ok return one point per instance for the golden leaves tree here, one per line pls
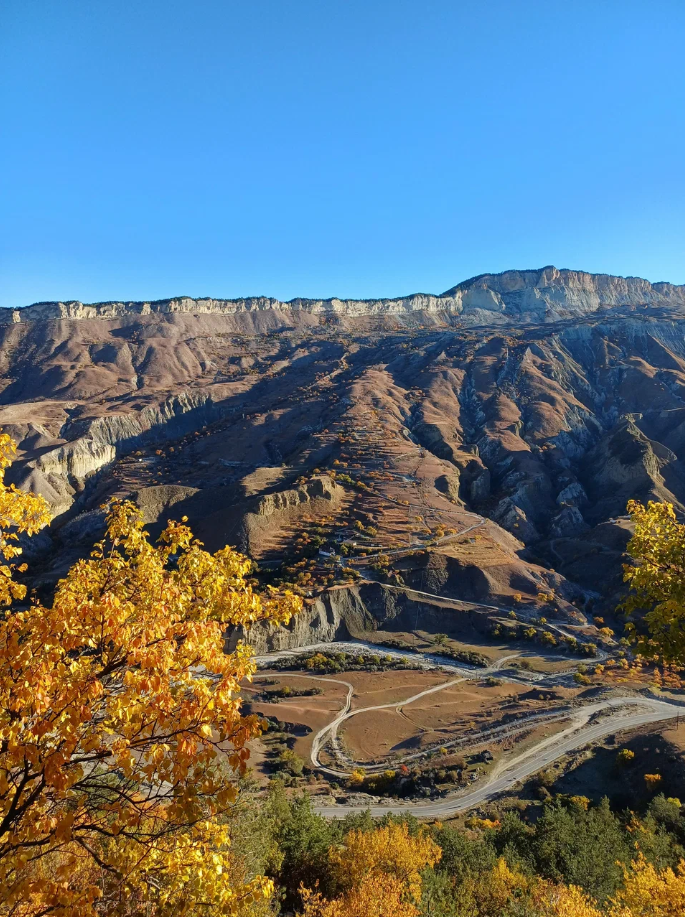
(379, 873)
(648, 892)
(565, 901)
(20, 513)
(378, 895)
(657, 578)
(121, 730)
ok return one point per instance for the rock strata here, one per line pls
(544, 294)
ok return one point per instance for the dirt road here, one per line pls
(588, 725)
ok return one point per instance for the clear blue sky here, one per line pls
(335, 147)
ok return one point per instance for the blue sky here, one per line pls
(154, 147)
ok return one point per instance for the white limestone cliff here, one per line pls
(546, 294)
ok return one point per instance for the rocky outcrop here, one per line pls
(568, 523)
(626, 465)
(449, 485)
(320, 487)
(544, 294)
(514, 519)
(59, 474)
(156, 501)
(272, 510)
(551, 293)
(626, 457)
(340, 614)
(337, 615)
(573, 494)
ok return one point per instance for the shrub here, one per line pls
(291, 762)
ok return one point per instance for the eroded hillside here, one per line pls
(480, 446)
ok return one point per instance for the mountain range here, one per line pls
(540, 295)
(484, 441)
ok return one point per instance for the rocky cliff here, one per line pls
(60, 473)
(546, 294)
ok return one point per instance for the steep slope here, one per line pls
(484, 441)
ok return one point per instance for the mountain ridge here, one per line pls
(541, 294)
(541, 403)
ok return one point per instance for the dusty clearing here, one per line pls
(312, 712)
(442, 717)
(372, 688)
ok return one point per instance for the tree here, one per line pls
(357, 776)
(20, 513)
(120, 724)
(303, 840)
(390, 850)
(570, 844)
(564, 901)
(657, 580)
(624, 757)
(647, 892)
(378, 895)
(291, 762)
(489, 893)
(378, 873)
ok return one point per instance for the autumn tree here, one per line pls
(378, 872)
(649, 892)
(20, 514)
(657, 579)
(378, 895)
(489, 894)
(564, 901)
(390, 850)
(121, 730)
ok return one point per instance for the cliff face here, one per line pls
(545, 294)
(60, 473)
(551, 293)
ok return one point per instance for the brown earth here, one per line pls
(371, 688)
(438, 717)
(376, 734)
(314, 712)
(284, 429)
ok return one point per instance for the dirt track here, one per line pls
(581, 732)
(582, 729)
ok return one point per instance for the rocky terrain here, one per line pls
(478, 445)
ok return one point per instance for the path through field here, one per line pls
(587, 724)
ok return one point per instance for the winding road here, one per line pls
(586, 724)
(329, 732)
(582, 731)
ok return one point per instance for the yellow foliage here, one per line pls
(392, 851)
(493, 891)
(379, 872)
(650, 893)
(20, 513)
(657, 578)
(120, 723)
(379, 895)
(564, 901)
